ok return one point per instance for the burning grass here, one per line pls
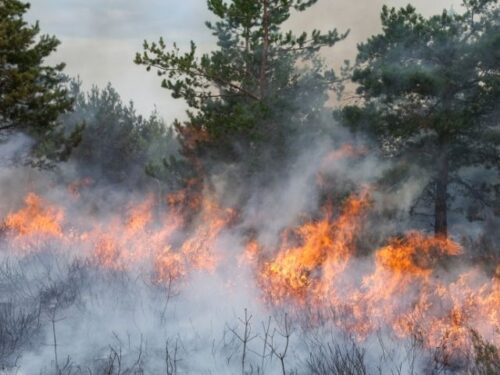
(403, 288)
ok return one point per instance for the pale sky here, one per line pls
(100, 37)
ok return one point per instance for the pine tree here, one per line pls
(31, 93)
(248, 96)
(431, 90)
(116, 142)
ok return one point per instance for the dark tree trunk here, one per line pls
(441, 195)
(265, 47)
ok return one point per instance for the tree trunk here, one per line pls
(441, 195)
(247, 52)
(265, 47)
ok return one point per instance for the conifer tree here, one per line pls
(259, 86)
(32, 94)
(431, 94)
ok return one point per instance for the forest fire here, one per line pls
(129, 240)
(315, 210)
(404, 289)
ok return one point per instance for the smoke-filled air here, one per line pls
(314, 211)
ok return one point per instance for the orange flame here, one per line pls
(37, 218)
(326, 246)
(415, 254)
(404, 291)
(403, 286)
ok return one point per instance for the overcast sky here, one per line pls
(100, 37)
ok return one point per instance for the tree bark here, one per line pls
(265, 47)
(441, 195)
